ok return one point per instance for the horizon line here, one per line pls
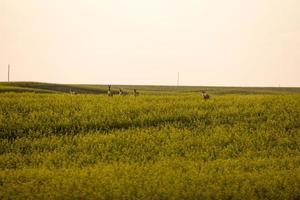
(156, 85)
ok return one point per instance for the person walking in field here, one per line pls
(205, 95)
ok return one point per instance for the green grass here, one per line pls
(156, 90)
(169, 145)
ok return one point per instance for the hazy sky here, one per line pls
(210, 42)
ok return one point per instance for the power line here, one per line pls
(8, 73)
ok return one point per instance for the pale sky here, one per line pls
(210, 42)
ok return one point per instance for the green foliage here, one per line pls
(145, 89)
(58, 146)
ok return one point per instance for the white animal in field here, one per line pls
(109, 92)
(72, 92)
(135, 92)
(122, 92)
(205, 95)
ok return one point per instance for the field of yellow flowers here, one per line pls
(61, 146)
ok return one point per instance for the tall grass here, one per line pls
(149, 147)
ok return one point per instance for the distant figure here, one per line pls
(121, 92)
(109, 92)
(72, 92)
(205, 95)
(135, 93)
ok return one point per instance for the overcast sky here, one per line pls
(210, 42)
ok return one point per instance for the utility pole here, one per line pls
(8, 73)
(178, 79)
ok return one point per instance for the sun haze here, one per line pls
(209, 42)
